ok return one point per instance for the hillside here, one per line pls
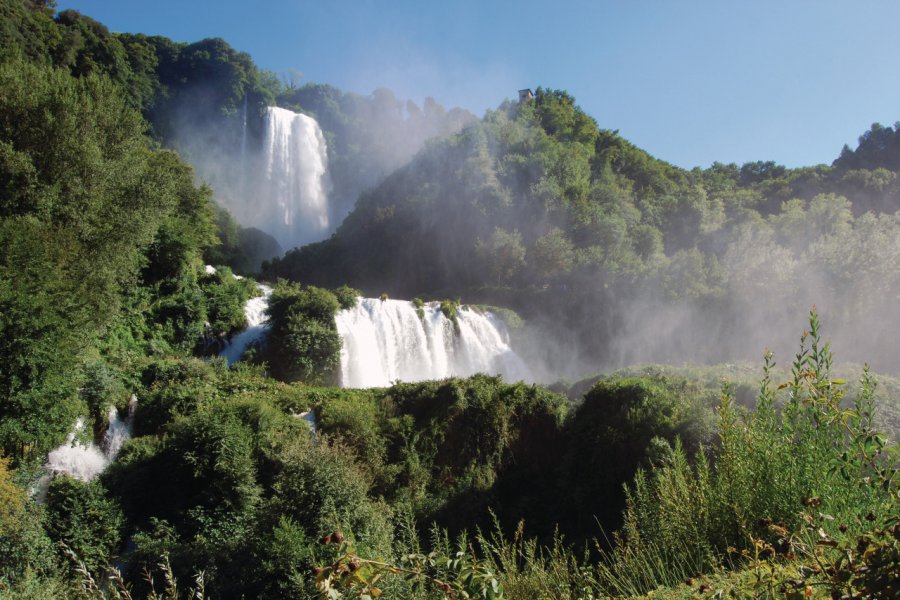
(619, 257)
(136, 462)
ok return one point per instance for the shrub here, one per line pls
(225, 300)
(419, 305)
(450, 309)
(347, 296)
(80, 516)
(303, 344)
(616, 430)
(747, 497)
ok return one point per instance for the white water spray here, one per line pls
(291, 203)
(86, 461)
(386, 340)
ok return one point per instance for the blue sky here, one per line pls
(691, 81)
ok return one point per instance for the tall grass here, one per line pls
(684, 518)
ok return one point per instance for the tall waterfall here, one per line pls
(280, 186)
(386, 340)
(291, 203)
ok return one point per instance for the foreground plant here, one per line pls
(797, 484)
(459, 576)
(112, 586)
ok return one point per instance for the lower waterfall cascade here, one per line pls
(384, 341)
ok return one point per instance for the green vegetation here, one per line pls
(791, 485)
(450, 308)
(80, 517)
(303, 342)
(800, 502)
(538, 209)
(130, 215)
(347, 297)
(225, 299)
(419, 305)
(653, 480)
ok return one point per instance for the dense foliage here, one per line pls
(537, 208)
(645, 481)
(303, 342)
(88, 209)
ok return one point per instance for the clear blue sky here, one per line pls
(691, 81)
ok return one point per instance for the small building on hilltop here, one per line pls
(525, 95)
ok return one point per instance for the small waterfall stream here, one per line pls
(255, 312)
(86, 461)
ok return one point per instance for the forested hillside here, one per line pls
(539, 209)
(262, 480)
(204, 98)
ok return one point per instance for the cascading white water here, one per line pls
(77, 459)
(119, 430)
(244, 132)
(385, 341)
(291, 203)
(257, 325)
(86, 461)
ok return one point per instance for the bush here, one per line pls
(81, 516)
(347, 297)
(225, 300)
(456, 447)
(450, 309)
(317, 490)
(303, 343)
(747, 499)
(620, 426)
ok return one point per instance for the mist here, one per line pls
(294, 171)
(615, 258)
(754, 294)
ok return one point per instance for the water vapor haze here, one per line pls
(754, 296)
(295, 174)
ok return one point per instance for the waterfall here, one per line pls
(86, 461)
(255, 312)
(387, 340)
(243, 182)
(383, 341)
(291, 202)
(119, 430)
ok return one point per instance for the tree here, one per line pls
(80, 516)
(553, 254)
(82, 199)
(24, 545)
(503, 254)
